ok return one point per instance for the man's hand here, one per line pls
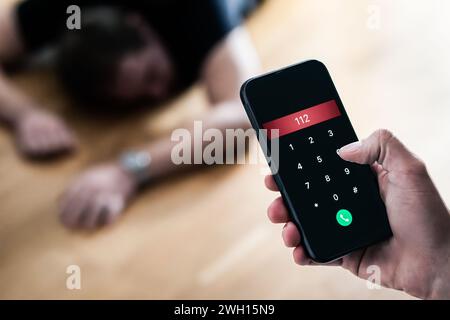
(417, 258)
(97, 197)
(40, 134)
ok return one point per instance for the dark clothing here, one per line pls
(188, 28)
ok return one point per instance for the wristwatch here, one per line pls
(137, 164)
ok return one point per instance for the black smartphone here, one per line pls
(335, 204)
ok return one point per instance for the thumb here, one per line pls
(382, 147)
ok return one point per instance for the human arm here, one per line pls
(99, 195)
(37, 132)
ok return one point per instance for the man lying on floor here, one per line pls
(125, 53)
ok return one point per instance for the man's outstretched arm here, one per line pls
(37, 133)
(99, 195)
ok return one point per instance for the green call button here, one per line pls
(344, 217)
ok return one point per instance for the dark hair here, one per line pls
(88, 58)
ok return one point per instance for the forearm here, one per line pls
(226, 115)
(12, 102)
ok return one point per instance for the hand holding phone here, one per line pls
(335, 204)
(416, 258)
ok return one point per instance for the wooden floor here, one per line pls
(206, 235)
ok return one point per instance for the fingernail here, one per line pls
(352, 147)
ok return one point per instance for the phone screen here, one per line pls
(335, 204)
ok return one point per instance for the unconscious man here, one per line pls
(125, 54)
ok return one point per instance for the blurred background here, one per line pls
(206, 235)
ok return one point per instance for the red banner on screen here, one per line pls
(303, 119)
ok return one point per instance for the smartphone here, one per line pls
(335, 204)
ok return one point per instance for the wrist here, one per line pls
(136, 164)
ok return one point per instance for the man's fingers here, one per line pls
(55, 141)
(93, 212)
(270, 183)
(45, 141)
(382, 147)
(301, 258)
(88, 209)
(49, 142)
(277, 211)
(115, 206)
(65, 138)
(112, 205)
(106, 210)
(33, 142)
(71, 216)
(291, 235)
(68, 140)
(73, 206)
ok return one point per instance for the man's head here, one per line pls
(115, 57)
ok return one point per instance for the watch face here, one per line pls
(335, 203)
(137, 164)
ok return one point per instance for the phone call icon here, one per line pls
(344, 217)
